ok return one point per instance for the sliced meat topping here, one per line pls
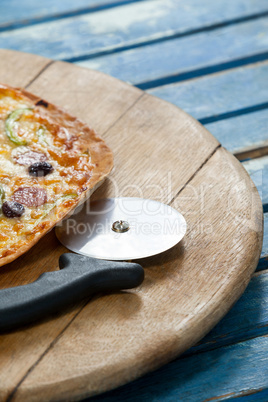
(29, 157)
(30, 196)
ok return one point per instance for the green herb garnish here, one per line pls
(41, 136)
(12, 118)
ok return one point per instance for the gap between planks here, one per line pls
(252, 153)
(195, 173)
(67, 14)
(50, 346)
(39, 73)
(166, 38)
(105, 41)
(203, 71)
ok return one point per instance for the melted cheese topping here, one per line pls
(71, 169)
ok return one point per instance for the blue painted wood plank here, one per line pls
(183, 58)
(265, 237)
(130, 25)
(262, 265)
(247, 319)
(258, 396)
(242, 133)
(17, 12)
(233, 371)
(217, 94)
(258, 170)
(263, 262)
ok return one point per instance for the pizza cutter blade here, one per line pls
(122, 229)
(109, 229)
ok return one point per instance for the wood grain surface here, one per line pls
(160, 153)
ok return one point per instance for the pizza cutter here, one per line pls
(103, 234)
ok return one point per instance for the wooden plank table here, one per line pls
(211, 64)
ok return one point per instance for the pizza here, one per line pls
(49, 163)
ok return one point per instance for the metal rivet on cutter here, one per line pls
(120, 226)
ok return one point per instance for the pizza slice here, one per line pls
(49, 163)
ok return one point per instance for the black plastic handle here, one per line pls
(81, 277)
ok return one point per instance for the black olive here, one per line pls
(39, 169)
(12, 209)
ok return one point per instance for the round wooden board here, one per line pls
(160, 153)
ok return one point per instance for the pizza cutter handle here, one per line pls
(78, 278)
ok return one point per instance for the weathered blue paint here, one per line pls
(242, 133)
(134, 24)
(247, 319)
(228, 372)
(265, 237)
(189, 55)
(16, 13)
(254, 396)
(258, 170)
(219, 93)
(234, 113)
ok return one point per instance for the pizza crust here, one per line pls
(101, 158)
